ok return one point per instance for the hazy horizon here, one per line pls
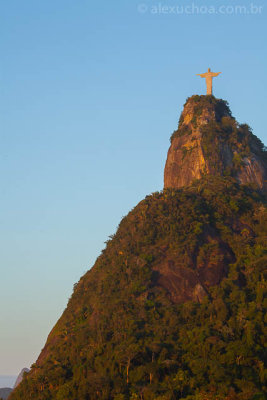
(7, 381)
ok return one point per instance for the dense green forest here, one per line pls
(126, 335)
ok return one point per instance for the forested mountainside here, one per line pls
(175, 306)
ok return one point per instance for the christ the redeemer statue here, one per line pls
(209, 76)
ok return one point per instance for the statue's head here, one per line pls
(208, 69)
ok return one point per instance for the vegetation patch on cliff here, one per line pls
(197, 104)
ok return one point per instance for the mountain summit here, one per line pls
(174, 306)
(209, 141)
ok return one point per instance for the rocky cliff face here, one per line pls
(20, 376)
(209, 141)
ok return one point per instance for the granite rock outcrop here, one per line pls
(209, 141)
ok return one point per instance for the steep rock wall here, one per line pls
(209, 141)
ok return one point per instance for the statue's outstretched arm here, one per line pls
(202, 75)
(216, 73)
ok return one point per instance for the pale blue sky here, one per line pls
(90, 92)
